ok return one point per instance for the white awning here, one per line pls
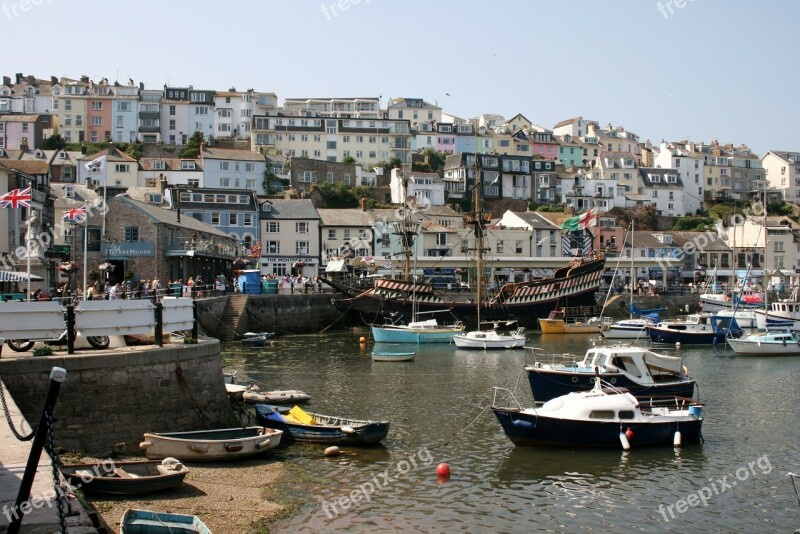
(336, 266)
(14, 276)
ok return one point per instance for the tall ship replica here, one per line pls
(573, 285)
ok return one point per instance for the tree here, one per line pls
(54, 142)
(192, 148)
(349, 160)
(338, 196)
(134, 150)
(693, 224)
(271, 181)
(433, 161)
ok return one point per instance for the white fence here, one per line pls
(46, 320)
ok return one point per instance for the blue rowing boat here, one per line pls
(147, 522)
(318, 428)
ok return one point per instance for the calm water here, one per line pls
(751, 417)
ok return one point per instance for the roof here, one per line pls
(647, 239)
(646, 172)
(20, 118)
(112, 153)
(435, 228)
(348, 217)
(536, 220)
(170, 164)
(29, 166)
(710, 241)
(554, 217)
(289, 209)
(232, 154)
(169, 217)
(568, 121)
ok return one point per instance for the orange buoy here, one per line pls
(443, 469)
(629, 433)
(362, 340)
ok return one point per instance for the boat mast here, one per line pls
(633, 273)
(478, 218)
(406, 228)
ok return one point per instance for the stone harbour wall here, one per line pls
(111, 398)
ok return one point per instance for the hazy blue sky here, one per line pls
(725, 69)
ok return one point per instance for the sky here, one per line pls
(668, 69)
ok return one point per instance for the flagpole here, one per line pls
(28, 251)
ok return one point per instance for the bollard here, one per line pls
(57, 375)
(159, 316)
(70, 329)
(194, 322)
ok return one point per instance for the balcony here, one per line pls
(150, 115)
(149, 129)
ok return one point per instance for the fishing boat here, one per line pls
(769, 343)
(490, 339)
(147, 522)
(556, 323)
(206, 445)
(125, 478)
(694, 329)
(642, 372)
(419, 332)
(744, 318)
(605, 416)
(783, 313)
(298, 425)
(385, 356)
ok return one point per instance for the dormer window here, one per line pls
(655, 178)
(266, 206)
(158, 165)
(62, 155)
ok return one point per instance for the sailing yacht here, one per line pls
(484, 339)
(629, 328)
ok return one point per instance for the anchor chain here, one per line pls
(51, 450)
(8, 417)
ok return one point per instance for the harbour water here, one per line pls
(734, 482)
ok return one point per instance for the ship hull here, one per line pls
(525, 303)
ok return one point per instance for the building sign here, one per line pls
(127, 250)
(288, 259)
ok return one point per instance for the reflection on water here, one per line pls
(751, 406)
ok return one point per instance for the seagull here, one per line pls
(448, 94)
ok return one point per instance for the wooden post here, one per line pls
(70, 329)
(159, 316)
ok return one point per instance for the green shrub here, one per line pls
(45, 350)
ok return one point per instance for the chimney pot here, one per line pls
(7, 81)
(53, 80)
(31, 80)
(363, 203)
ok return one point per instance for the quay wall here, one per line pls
(111, 398)
(300, 313)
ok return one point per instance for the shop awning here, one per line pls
(14, 276)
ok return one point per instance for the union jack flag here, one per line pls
(16, 198)
(76, 214)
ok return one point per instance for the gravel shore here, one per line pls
(233, 497)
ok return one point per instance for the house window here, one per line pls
(273, 247)
(194, 182)
(518, 247)
(224, 165)
(778, 246)
(301, 247)
(247, 219)
(224, 182)
(172, 112)
(301, 227)
(330, 177)
(215, 219)
(121, 167)
(97, 121)
(97, 105)
(441, 239)
(500, 247)
(331, 234)
(273, 227)
(131, 233)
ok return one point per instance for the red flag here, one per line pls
(16, 198)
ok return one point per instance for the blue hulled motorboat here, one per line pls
(312, 427)
(695, 329)
(642, 372)
(602, 417)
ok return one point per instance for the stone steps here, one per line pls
(232, 315)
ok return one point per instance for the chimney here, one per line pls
(141, 86)
(53, 80)
(7, 81)
(363, 203)
(31, 80)
(19, 77)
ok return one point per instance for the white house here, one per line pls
(426, 185)
(237, 169)
(783, 172)
(690, 168)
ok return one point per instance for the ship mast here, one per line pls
(407, 229)
(478, 218)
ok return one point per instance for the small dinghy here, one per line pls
(384, 356)
(126, 478)
(236, 391)
(281, 396)
(147, 522)
(312, 427)
(204, 445)
(256, 339)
